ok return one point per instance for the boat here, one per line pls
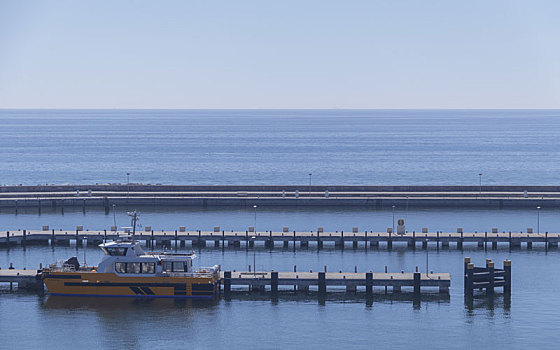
(126, 270)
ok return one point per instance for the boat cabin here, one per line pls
(127, 258)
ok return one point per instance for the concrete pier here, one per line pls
(303, 240)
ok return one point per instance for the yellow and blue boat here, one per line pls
(126, 270)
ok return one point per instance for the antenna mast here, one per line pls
(134, 219)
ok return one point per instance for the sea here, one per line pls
(292, 147)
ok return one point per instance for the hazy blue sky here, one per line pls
(280, 54)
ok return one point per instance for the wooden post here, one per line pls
(417, 283)
(270, 241)
(274, 282)
(460, 243)
(365, 241)
(470, 280)
(437, 239)
(223, 238)
(490, 289)
(507, 276)
(52, 238)
(322, 283)
(342, 240)
(412, 243)
(390, 242)
(319, 243)
(104, 236)
(24, 237)
(294, 241)
(152, 239)
(77, 239)
(227, 282)
(369, 283)
(175, 239)
(466, 262)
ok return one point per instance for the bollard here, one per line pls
(355, 269)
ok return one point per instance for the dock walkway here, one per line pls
(286, 240)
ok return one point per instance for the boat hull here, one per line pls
(111, 285)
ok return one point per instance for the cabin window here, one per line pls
(167, 266)
(148, 267)
(133, 267)
(120, 267)
(179, 266)
(115, 251)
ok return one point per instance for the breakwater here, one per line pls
(106, 195)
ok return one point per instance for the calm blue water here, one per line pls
(282, 147)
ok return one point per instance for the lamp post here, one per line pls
(393, 230)
(539, 219)
(127, 186)
(254, 238)
(310, 184)
(480, 182)
(114, 217)
(426, 257)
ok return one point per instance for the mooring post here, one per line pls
(175, 239)
(8, 238)
(417, 283)
(152, 239)
(466, 263)
(342, 240)
(24, 237)
(274, 282)
(294, 241)
(365, 241)
(507, 276)
(437, 239)
(104, 236)
(390, 241)
(77, 232)
(52, 238)
(270, 241)
(319, 243)
(510, 243)
(490, 289)
(227, 282)
(322, 283)
(470, 280)
(199, 239)
(412, 243)
(223, 240)
(385, 285)
(369, 283)
(460, 243)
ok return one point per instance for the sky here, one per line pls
(280, 54)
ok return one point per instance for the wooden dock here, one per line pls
(25, 279)
(293, 281)
(222, 239)
(325, 281)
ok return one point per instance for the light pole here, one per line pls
(480, 182)
(254, 238)
(393, 230)
(310, 184)
(426, 256)
(127, 186)
(114, 217)
(539, 219)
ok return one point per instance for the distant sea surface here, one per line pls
(280, 146)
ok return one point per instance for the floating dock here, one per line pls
(222, 239)
(379, 197)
